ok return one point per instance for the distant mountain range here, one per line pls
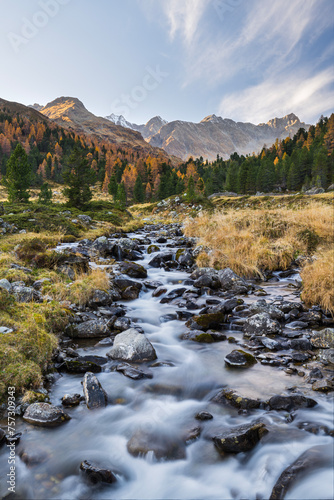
(211, 136)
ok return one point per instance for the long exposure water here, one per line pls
(186, 377)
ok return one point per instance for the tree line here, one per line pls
(33, 154)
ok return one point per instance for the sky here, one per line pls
(248, 60)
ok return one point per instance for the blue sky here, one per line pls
(249, 60)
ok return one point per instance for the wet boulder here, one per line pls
(95, 328)
(95, 474)
(324, 385)
(103, 246)
(133, 270)
(128, 289)
(161, 290)
(83, 364)
(132, 372)
(122, 324)
(261, 306)
(71, 400)
(261, 324)
(152, 249)
(45, 415)
(239, 359)
(289, 403)
(205, 322)
(206, 277)
(240, 439)
(230, 281)
(163, 447)
(95, 395)
(184, 258)
(312, 459)
(132, 346)
(207, 337)
(231, 398)
(160, 259)
(203, 415)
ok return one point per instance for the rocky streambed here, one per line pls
(180, 382)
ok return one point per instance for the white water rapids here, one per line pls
(167, 404)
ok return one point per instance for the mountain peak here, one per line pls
(212, 119)
(286, 121)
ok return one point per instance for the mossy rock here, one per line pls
(152, 249)
(179, 253)
(206, 321)
(240, 359)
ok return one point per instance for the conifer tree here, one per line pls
(121, 197)
(79, 177)
(112, 187)
(138, 190)
(45, 194)
(18, 176)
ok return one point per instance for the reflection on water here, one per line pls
(166, 405)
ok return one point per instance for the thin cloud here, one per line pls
(184, 16)
(306, 97)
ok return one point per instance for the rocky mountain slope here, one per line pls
(215, 135)
(148, 130)
(70, 113)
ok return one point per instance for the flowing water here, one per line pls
(189, 375)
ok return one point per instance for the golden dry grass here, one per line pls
(318, 281)
(81, 290)
(251, 241)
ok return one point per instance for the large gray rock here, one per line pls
(45, 415)
(260, 324)
(230, 281)
(90, 329)
(132, 269)
(103, 246)
(261, 306)
(132, 346)
(241, 438)
(94, 393)
(206, 277)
